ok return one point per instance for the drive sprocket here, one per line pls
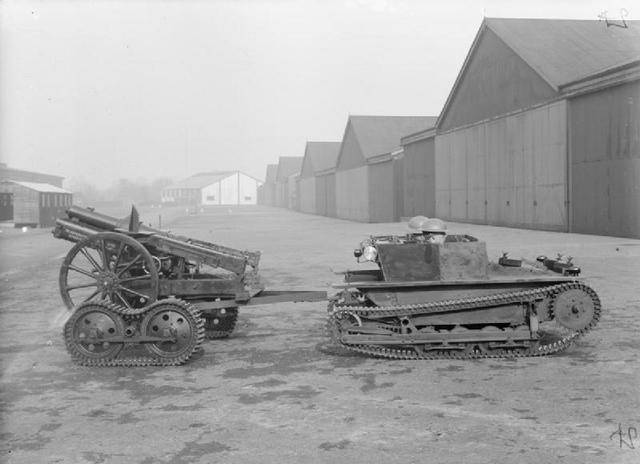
(576, 307)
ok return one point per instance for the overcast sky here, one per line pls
(143, 89)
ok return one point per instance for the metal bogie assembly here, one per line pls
(100, 333)
(130, 285)
(445, 299)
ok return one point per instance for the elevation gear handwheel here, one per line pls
(179, 323)
(109, 266)
(88, 331)
(575, 308)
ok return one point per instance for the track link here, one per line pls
(220, 325)
(336, 312)
(107, 319)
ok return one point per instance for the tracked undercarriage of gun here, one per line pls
(141, 296)
(428, 300)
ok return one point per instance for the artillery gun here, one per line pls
(132, 286)
(446, 300)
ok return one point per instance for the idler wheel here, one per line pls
(179, 324)
(575, 308)
(88, 330)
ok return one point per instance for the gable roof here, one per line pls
(321, 155)
(380, 135)
(40, 187)
(561, 51)
(201, 180)
(288, 165)
(204, 179)
(272, 171)
(567, 50)
(6, 173)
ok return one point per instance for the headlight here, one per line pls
(370, 253)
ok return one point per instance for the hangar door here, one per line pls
(605, 161)
(6, 206)
(509, 171)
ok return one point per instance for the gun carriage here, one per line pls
(130, 286)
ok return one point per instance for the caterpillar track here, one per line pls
(221, 324)
(556, 315)
(165, 333)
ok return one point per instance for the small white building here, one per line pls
(214, 188)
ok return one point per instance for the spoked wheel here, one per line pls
(179, 323)
(88, 331)
(109, 266)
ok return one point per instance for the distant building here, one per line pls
(319, 157)
(287, 165)
(34, 203)
(368, 182)
(293, 196)
(213, 188)
(7, 173)
(267, 191)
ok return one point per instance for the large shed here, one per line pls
(35, 203)
(319, 157)
(213, 188)
(542, 130)
(267, 191)
(418, 174)
(367, 183)
(293, 196)
(287, 165)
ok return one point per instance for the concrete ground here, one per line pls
(270, 395)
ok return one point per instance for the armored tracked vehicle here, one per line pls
(433, 295)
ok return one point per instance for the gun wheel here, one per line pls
(179, 323)
(109, 266)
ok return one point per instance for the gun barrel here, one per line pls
(72, 231)
(83, 222)
(101, 221)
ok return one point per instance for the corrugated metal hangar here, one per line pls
(319, 158)
(267, 191)
(540, 130)
(419, 182)
(287, 165)
(365, 186)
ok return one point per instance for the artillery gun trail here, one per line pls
(141, 296)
